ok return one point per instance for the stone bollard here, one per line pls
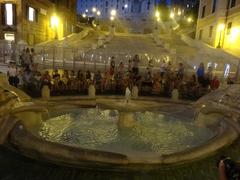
(45, 92)
(91, 91)
(175, 95)
(135, 92)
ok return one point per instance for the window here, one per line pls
(203, 11)
(200, 34)
(31, 14)
(148, 5)
(210, 31)
(9, 36)
(229, 27)
(214, 6)
(233, 3)
(9, 14)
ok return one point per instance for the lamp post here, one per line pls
(157, 15)
(113, 14)
(98, 16)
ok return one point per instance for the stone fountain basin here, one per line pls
(24, 139)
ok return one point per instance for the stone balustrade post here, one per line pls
(45, 92)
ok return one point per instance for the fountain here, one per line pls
(116, 133)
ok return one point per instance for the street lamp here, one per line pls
(94, 9)
(98, 13)
(189, 19)
(113, 12)
(172, 15)
(55, 24)
(220, 29)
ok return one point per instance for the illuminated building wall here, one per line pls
(30, 20)
(218, 23)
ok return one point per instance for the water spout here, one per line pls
(127, 95)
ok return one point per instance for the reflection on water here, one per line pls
(98, 129)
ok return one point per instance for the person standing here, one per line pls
(27, 59)
(180, 72)
(200, 74)
(163, 68)
(33, 60)
(112, 66)
(135, 68)
(12, 74)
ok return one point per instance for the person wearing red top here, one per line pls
(215, 83)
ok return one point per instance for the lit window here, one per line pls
(9, 14)
(9, 36)
(31, 14)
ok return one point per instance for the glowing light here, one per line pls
(172, 15)
(226, 70)
(86, 10)
(9, 11)
(113, 12)
(9, 36)
(54, 21)
(233, 37)
(84, 15)
(125, 6)
(157, 14)
(179, 12)
(98, 13)
(209, 64)
(112, 18)
(31, 14)
(221, 27)
(94, 9)
(158, 19)
(189, 19)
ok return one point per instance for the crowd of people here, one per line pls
(114, 79)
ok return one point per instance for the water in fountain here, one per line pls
(148, 132)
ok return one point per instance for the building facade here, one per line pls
(126, 9)
(184, 3)
(30, 20)
(218, 23)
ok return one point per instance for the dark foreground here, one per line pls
(15, 167)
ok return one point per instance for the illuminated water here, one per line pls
(152, 132)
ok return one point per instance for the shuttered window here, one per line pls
(8, 14)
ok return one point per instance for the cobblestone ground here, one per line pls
(14, 167)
